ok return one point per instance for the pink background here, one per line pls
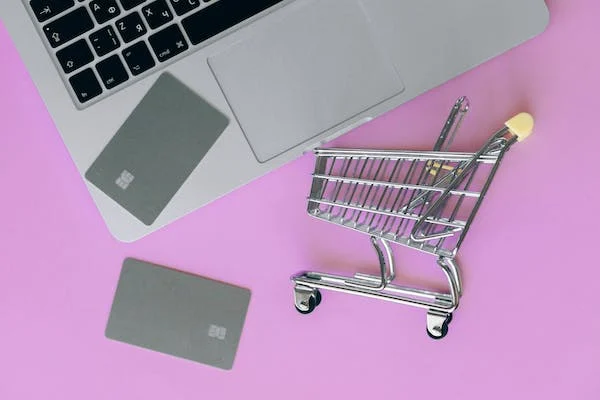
(528, 326)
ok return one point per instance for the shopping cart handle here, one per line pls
(521, 125)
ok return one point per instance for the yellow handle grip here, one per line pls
(521, 126)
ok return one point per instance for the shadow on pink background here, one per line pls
(528, 326)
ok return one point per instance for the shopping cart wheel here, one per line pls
(449, 318)
(437, 324)
(318, 297)
(306, 299)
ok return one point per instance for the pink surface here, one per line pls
(528, 325)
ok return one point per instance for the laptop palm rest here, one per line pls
(304, 75)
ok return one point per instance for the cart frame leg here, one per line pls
(439, 306)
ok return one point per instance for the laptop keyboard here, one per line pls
(100, 46)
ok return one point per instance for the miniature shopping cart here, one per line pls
(422, 200)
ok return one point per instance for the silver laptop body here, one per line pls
(272, 78)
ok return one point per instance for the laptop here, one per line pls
(166, 105)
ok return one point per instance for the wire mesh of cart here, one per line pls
(424, 200)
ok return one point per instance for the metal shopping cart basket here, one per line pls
(422, 200)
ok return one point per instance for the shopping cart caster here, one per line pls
(306, 299)
(437, 324)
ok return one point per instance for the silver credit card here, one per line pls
(157, 148)
(177, 313)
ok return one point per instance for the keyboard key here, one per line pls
(138, 58)
(68, 27)
(157, 13)
(220, 16)
(85, 85)
(129, 4)
(46, 9)
(112, 72)
(104, 41)
(168, 43)
(131, 27)
(104, 10)
(75, 56)
(183, 6)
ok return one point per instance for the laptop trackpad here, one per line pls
(314, 69)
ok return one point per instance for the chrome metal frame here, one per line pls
(412, 198)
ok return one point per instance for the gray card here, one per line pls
(178, 313)
(157, 148)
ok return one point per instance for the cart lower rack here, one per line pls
(422, 200)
